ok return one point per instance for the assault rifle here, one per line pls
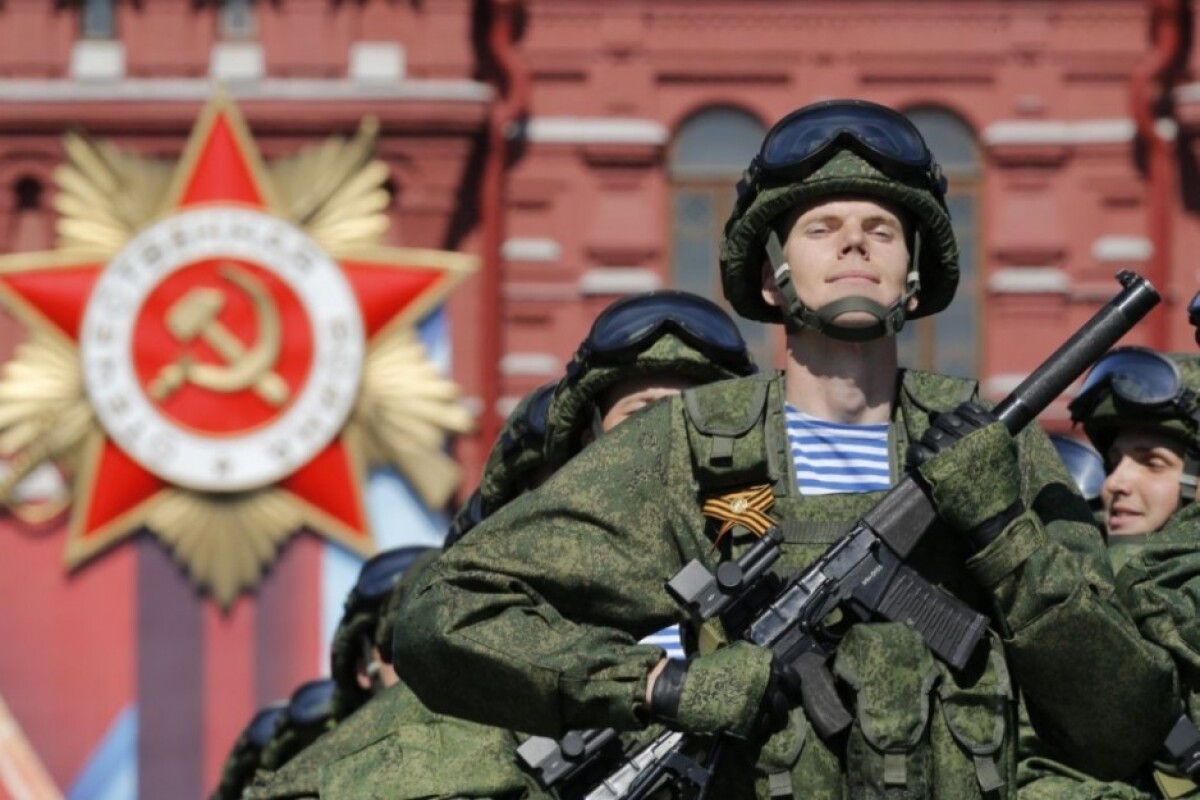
(863, 574)
(591, 765)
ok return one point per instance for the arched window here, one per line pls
(97, 19)
(949, 341)
(707, 157)
(31, 226)
(235, 19)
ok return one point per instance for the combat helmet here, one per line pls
(309, 713)
(1139, 387)
(825, 150)
(652, 334)
(246, 756)
(516, 458)
(360, 624)
(519, 452)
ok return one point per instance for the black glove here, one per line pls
(968, 460)
(697, 695)
(732, 690)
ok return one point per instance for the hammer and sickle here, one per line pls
(195, 316)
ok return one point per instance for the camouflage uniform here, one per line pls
(309, 714)
(394, 746)
(246, 756)
(1158, 580)
(550, 596)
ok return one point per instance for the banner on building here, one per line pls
(219, 348)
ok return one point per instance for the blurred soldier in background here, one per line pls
(1141, 409)
(395, 746)
(841, 233)
(361, 654)
(246, 756)
(309, 713)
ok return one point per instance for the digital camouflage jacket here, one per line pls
(1160, 585)
(549, 597)
(395, 748)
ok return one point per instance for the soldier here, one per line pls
(1141, 410)
(394, 746)
(361, 655)
(244, 759)
(309, 713)
(841, 233)
(516, 464)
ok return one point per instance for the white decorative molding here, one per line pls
(1090, 131)
(36, 90)
(97, 60)
(619, 280)
(1029, 280)
(507, 404)
(595, 130)
(376, 62)
(237, 61)
(1122, 248)
(530, 248)
(535, 364)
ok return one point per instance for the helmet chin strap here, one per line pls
(888, 319)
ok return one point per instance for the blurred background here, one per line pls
(583, 150)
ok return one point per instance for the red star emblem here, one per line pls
(192, 325)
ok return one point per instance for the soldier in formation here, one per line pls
(1141, 411)
(393, 746)
(840, 233)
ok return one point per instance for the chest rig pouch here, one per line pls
(726, 436)
(921, 729)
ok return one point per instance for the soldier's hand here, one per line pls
(968, 460)
(733, 690)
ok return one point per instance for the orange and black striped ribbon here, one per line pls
(747, 508)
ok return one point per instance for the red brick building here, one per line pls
(638, 119)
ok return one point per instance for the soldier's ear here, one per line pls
(770, 290)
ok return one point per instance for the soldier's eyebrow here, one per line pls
(883, 219)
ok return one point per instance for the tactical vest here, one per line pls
(921, 729)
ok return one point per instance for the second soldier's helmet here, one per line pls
(664, 333)
(1085, 465)
(1135, 387)
(515, 462)
(825, 150)
(365, 605)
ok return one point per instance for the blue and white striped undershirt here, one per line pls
(832, 457)
(829, 458)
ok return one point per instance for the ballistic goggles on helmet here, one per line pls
(1141, 378)
(379, 575)
(805, 139)
(261, 728)
(633, 324)
(531, 424)
(312, 703)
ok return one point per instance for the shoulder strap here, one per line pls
(924, 394)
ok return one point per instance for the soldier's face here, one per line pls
(850, 247)
(1141, 491)
(624, 398)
